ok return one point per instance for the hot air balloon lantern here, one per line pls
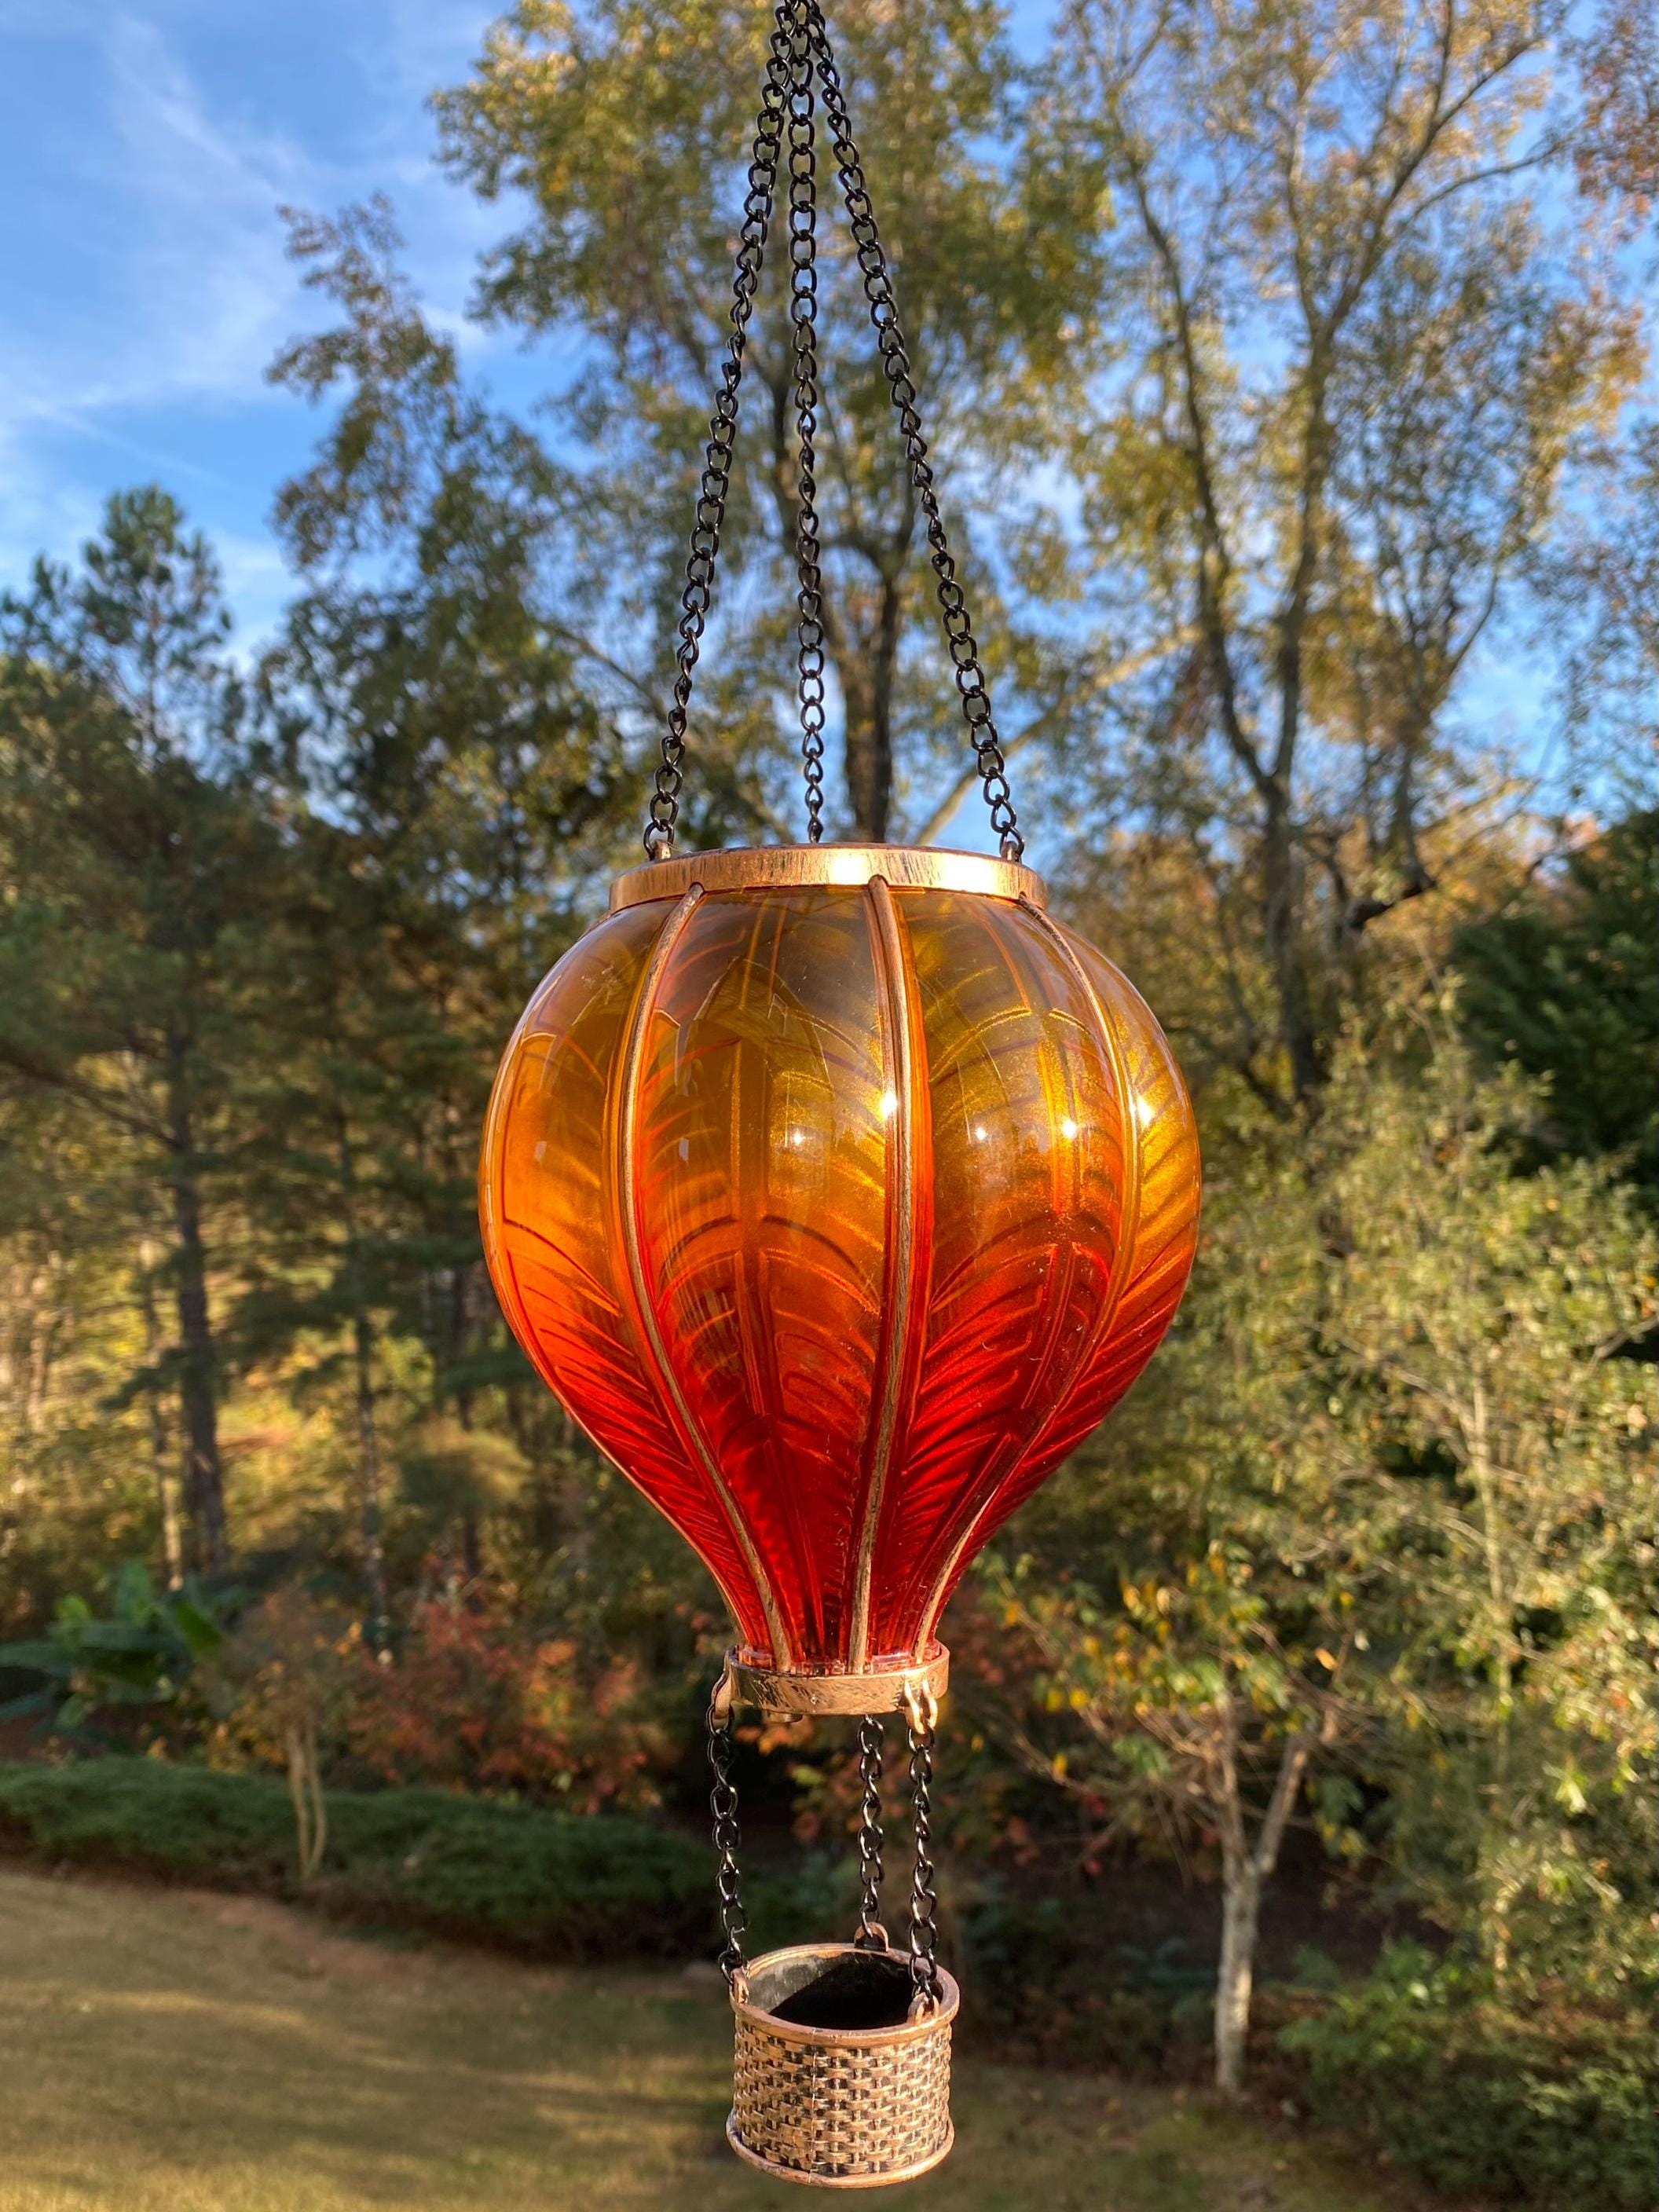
(837, 1191)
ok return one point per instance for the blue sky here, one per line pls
(143, 154)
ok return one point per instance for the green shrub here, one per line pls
(1550, 2108)
(1048, 1973)
(553, 1885)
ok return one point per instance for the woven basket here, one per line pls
(835, 2086)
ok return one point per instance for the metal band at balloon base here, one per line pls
(820, 2097)
(914, 1688)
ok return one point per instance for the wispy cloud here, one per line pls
(149, 289)
(174, 286)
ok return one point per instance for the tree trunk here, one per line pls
(1281, 911)
(368, 1479)
(1240, 1913)
(304, 1789)
(866, 686)
(160, 1448)
(205, 1487)
(369, 1440)
(1246, 1870)
(1497, 1896)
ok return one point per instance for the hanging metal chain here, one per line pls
(800, 38)
(895, 366)
(723, 1804)
(924, 1901)
(803, 317)
(871, 1936)
(722, 436)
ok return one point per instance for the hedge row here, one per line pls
(551, 1885)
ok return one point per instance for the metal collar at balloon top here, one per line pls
(783, 867)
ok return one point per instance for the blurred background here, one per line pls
(1287, 369)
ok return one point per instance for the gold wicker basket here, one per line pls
(836, 2085)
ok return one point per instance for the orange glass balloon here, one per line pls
(838, 1192)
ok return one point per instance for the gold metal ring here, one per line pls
(906, 867)
(914, 1685)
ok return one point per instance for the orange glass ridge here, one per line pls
(837, 1214)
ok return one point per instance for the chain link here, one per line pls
(803, 317)
(871, 1935)
(695, 598)
(895, 366)
(723, 1804)
(924, 1901)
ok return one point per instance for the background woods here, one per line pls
(1287, 373)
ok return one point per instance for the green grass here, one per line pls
(179, 2051)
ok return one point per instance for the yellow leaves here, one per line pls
(1570, 1793)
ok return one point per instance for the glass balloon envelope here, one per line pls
(838, 1192)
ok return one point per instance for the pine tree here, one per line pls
(134, 851)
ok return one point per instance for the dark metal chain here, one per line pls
(722, 436)
(800, 37)
(924, 1901)
(723, 1804)
(896, 365)
(871, 1935)
(803, 317)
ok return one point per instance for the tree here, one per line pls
(1357, 375)
(1564, 983)
(1484, 1332)
(463, 633)
(132, 850)
(82, 1481)
(626, 127)
(1602, 577)
(453, 792)
(1202, 1585)
(1376, 1516)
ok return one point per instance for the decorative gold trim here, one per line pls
(892, 972)
(627, 1079)
(875, 1689)
(1128, 1228)
(761, 868)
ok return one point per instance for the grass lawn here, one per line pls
(175, 2051)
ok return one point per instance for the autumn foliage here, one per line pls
(470, 1700)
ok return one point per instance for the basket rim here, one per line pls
(780, 867)
(843, 2039)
